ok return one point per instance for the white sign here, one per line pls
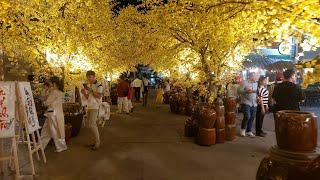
(28, 108)
(7, 109)
(69, 96)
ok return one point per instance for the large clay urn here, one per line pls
(288, 165)
(173, 101)
(230, 104)
(188, 130)
(313, 170)
(231, 132)
(182, 103)
(296, 131)
(73, 114)
(207, 117)
(220, 123)
(219, 107)
(221, 135)
(206, 137)
(191, 107)
(230, 117)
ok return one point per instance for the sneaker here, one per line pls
(95, 147)
(61, 150)
(250, 134)
(261, 134)
(242, 132)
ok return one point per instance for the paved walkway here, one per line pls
(149, 145)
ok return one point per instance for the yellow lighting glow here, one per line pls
(77, 61)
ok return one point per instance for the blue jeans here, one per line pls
(249, 113)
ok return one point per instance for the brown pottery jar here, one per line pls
(174, 106)
(220, 123)
(287, 165)
(190, 108)
(207, 117)
(296, 131)
(220, 110)
(230, 117)
(231, 132)
(206, 137)
(221, 135)
(230, 104)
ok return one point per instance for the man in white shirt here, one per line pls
(137, 84)
(167, 86)
(93, 91)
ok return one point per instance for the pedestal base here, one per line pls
(287, 165)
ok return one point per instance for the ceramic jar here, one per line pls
(230, 104)
(221, 135)
(296, 131)
(206, 137)
(173, 101)
(230, 117)
(220, 123)
(287, 165)
(207, 117)
(231, 132)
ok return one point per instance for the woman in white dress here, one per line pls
(54, 124)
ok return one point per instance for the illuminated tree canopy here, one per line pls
(192, 41)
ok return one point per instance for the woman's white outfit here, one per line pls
(54, 124)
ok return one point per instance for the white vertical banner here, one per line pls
(7, 109)
(27, 106)
(70, 96)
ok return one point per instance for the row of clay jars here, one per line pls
(296, 131)
(230, 118)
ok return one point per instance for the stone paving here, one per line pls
(149, 145)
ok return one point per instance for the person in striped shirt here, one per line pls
(262, 109)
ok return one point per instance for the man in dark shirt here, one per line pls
(287, 94)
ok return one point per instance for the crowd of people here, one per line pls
(256, 98)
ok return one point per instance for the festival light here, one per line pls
(77, 61)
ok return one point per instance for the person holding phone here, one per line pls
(93, 92)
(248, 91)
(54, 126)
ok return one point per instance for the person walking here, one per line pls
(248, 91)
(167, 86)
(288, 95)
(53, 127)
(123, 91)
(263, 108)
(137, 84)
(130, 95)
(145, 91)
(93, 92)
(159, 94)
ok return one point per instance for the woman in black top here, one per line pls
(262, 109)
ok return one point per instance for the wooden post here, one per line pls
(13, 155)
(1, 155)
